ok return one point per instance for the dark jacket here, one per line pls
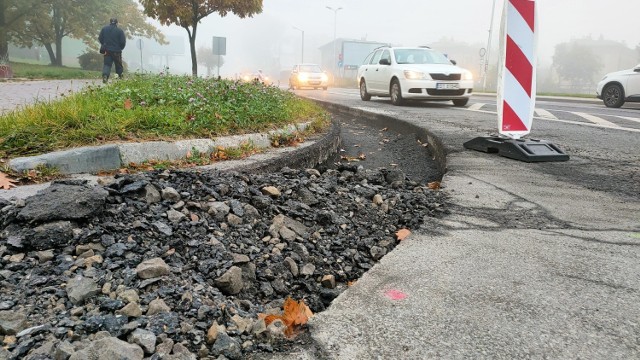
(113, 38)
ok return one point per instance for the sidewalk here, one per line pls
(20, 93)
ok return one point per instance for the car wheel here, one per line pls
(613, 96)
(460, 102)
(364, 95)
(396, 93)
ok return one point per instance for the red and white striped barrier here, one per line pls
(517, 70)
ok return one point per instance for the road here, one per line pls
(535, 260)
(602, 142)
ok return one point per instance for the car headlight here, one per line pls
(414, 75)
(467, 75)
(303, 77)
(324, 77)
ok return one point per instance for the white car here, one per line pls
(620, 86)
(413, 73)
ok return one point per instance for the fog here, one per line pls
(271, 41)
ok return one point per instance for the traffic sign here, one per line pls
(219, 45)
(517, 71)
(517, 89)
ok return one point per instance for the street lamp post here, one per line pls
(486, 59)
(302, 57)
(335, 27)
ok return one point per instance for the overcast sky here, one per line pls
(405, 22)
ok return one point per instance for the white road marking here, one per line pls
(596, 120)
(563, 121)
(476, 106)
(628, 118)
(545, 114)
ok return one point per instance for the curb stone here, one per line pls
(93, 159)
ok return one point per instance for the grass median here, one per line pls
(152, 107)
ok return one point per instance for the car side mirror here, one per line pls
(454, 62)
(384, 62)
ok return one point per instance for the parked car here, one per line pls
(308, 75)
(416, 73)
(618, 87)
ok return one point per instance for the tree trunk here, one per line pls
(52, 55)
(4, 44)
(192, 45)
(58, 51)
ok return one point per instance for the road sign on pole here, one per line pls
(516, 96)
(219, 45)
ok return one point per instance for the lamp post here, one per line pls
(302, 57)
(335, 27)
(486, 59)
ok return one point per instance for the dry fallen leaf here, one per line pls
(385, 129)
(435, 185)
(402, 234)
(127, 104)
(295, 314)
(6, 183)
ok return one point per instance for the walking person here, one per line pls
(113, 42)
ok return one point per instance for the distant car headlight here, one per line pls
(303, 77)
(324, 77)
(467, 75)
(414, 75)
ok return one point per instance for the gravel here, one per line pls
(178, 264)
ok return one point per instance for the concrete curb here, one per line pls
(436, 146)
(93, 159)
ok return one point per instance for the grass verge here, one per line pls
(35, 71)
(152, 107)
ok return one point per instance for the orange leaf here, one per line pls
(435, 185)
(6, 182)
(296, 314)
(402, 234)
(127, 104)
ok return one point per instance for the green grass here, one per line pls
(35, 71)
(151, 107)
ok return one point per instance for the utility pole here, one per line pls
(302, 57)
(334, 61)
(486, 59)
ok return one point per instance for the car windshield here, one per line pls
(420, 56)
(310, 68)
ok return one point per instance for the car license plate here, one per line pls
(447, 86)
(312, 82)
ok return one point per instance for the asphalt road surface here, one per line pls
(602, 142)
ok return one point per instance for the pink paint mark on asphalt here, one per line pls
(395, 294)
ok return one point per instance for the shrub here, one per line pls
(91, 61)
